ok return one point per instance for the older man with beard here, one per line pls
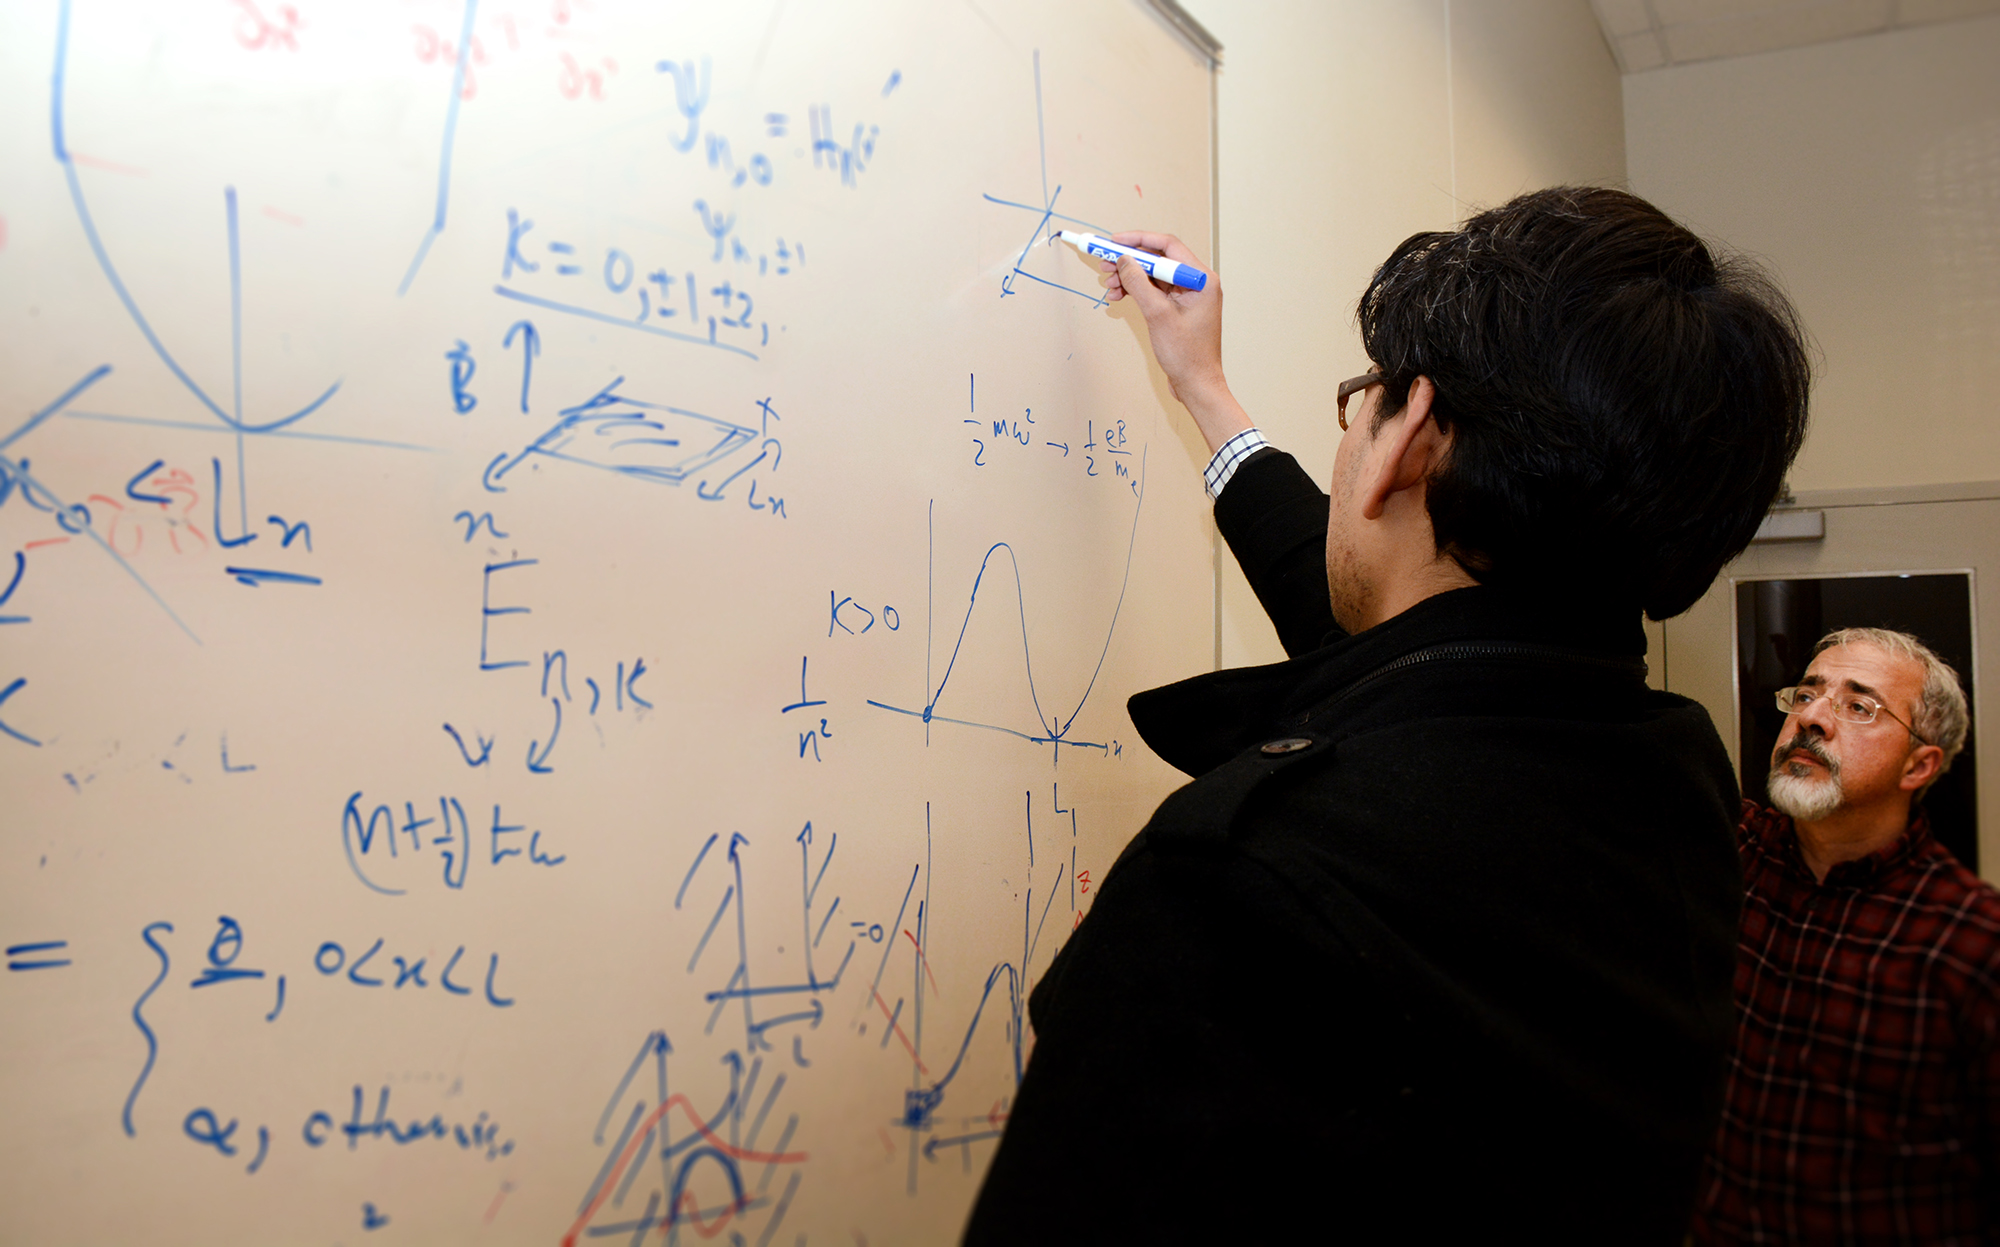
(1863, 1103)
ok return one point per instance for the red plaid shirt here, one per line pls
(1864, 1089)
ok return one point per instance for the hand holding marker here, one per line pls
(1183, 324)
(1159, 267)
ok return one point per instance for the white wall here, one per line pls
(1343, 129)
(1868, 172)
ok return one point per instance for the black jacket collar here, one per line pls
(1196, 723)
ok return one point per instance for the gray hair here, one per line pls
(1941, 716)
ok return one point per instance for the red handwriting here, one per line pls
(576, 81)
(926, 961)
(255, 31)
(494, 1207)
(433, 48)
(644, 1135)
(109, 166)
(898, 1029)
(130, 523)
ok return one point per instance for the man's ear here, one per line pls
(1921, 767)
(1407, 449)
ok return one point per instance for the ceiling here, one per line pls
(1649, 34)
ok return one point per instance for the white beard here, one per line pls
(1807, 798)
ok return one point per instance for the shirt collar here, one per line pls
(1782, 836)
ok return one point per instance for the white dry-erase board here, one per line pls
(570, 573)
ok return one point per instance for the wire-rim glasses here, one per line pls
(1847, 707)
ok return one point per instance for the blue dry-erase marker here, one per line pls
(1172, 272)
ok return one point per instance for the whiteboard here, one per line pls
(571, 572)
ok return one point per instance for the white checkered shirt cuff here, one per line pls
(1230, 457)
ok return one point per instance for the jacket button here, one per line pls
(1291, 744)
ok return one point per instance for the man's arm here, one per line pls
(1269, 511)
(1185, 327)
(1274, 519)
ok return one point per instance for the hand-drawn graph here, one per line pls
(711, 1171)
(646, 441)
(1053, 726)
(752, 1083)
(71, 518)
(928, 1132)
(233, 418)
(230, 421)
(1045, 212)
(688, 1166)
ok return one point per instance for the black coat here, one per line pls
(1451, 964)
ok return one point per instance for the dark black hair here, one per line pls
(1623, 406)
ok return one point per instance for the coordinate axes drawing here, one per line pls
(1045, 212)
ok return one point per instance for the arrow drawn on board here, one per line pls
(539, 765)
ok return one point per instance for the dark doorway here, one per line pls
(1779, 621)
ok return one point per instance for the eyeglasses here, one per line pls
(1847, 707)
(1348, 389)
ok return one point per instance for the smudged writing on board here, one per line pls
(168, 497)
(639, 440)
(434, 48)
(919, 1115)
(668, 299)
(461, 84)
(575, 72)
(256, 32)
(654, 442)
(701, 1152)
(715, 1149)
(71, 519)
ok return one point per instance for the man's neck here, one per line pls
(1406, 587)
(1851, 834)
